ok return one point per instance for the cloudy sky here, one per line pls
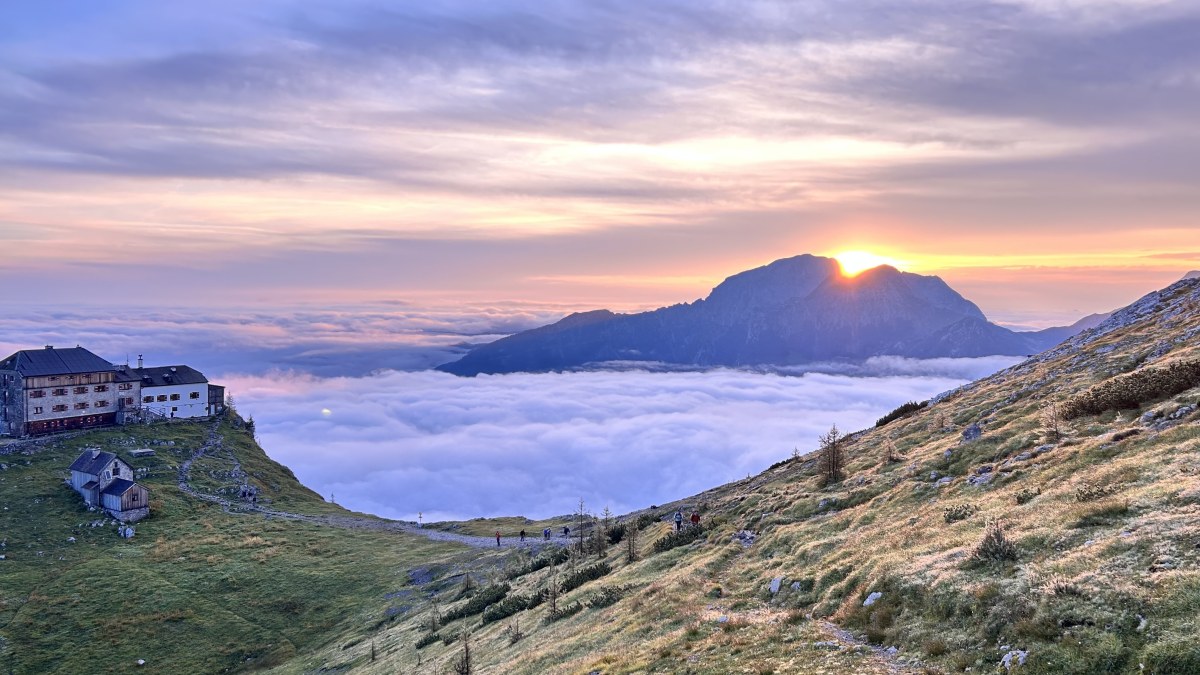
(1041, 155)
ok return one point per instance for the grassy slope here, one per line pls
(1092, 563)
(223, 592)
(197, 590)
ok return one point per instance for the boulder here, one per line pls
(872, 599)
(971, 433)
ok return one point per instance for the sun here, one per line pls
(854, 263)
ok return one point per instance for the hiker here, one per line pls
(695, 518)
(546, 533)
(566, 531)
(522, 535)
(497, 538)
(679, 520)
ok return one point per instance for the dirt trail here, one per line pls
(214, 445)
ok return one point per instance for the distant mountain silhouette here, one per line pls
(793, 311)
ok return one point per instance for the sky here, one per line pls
(1039, 155)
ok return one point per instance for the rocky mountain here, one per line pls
(792, 311)
(1194, 274)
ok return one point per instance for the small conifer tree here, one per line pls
(831, 461)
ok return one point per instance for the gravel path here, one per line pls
(214, 444)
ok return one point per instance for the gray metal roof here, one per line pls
(163, 376)
(118, 487)
(51, 361)
(87, 463)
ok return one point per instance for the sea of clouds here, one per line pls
(346, 399)
(402, 443)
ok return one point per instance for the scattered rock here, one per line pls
(795, 585)
(872, 599)
(982, 479)
(1042, 449)
(722, 619)
(744, 537)
(1150, 416)
(945, 481)
(1015, 657)
(775, 583)
(892, 651)
(140, 662)
(827, 644)
(971, 433)
(933, 475)
(1163, 563)
(986, 468)
(1023, 457)
(71, 540)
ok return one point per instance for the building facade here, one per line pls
(48, 390)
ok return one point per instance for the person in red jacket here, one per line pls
(497, 538)
(695, 518)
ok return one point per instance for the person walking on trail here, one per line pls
(678, 520)
(546, 533)
(566, 531)
(522, 535)
(497, 538)
(695, 518)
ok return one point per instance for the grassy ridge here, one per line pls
(197, 590)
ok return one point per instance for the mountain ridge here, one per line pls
(792, 311)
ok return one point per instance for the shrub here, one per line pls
(1173, 656)
(1089, 491)
(555, 556)
(563, 612)
(480, 601)
(953, 514)
(1126, 392)
(427, 639)
(685, 536)
(616, 533)
(994, 547)
(584, 575)
(506, 608)
(1026, 495)
(606, 596)
(904, 410)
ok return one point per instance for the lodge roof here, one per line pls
(92, 462)
(51, 361)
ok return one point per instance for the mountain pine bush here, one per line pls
(1126, 392)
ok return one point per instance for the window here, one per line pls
(54, 378)
(129, 401)
(107, 475)
(59, 392)
(135, 498)
(60, 408)
(162, 397)
(82, 405)
(174, 397)
(37, 393)
(100, 387)
(101, 404)
(80, 390)
(194, 394)
(147, 399)
(37, 411)
(125, 386)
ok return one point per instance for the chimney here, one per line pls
(172, 369)
(95, 453)
(49, 346)
(139, 361)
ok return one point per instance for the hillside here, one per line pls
(198, 589)
(1095, 571)
(793, 311)
(1102, 519)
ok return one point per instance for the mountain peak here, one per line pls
(1194, 274)
(792, 311)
